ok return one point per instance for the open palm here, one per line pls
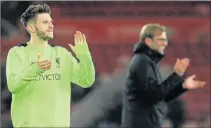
(79, 40)
(190, 83)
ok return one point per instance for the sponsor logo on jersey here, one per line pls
(48, 77)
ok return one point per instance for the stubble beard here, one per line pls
(43, 35)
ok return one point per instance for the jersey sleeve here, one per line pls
(82, 73)
(19, 76)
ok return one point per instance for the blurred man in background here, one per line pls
(146, 94)
(38, 74)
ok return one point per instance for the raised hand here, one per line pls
(181, 66)
(79, 39)
(43, 64)
(190, 83)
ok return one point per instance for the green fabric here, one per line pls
(41, 98)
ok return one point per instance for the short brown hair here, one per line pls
(150, 30)
(32, 11)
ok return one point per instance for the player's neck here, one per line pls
(36, 41)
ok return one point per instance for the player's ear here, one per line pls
(31, 28)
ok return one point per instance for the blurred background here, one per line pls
(112, 28)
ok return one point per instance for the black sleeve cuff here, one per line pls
(174, 80)
(178, 90)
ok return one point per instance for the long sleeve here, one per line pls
(148, 84)
(82, 73)
(19, 76)
(176, 92)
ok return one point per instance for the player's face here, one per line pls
(159, 43)
(44, 26)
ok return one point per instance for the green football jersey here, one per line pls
(41, 98)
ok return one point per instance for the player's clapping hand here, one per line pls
(190, 83)
(80, 43)
(43, 64)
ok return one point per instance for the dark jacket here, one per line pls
(146, 95)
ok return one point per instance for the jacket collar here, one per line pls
(141, 47)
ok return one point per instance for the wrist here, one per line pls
(184, 85)
(84, 56)
(81, 49)
(178, 73)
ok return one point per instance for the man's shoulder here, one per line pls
(18, 47)
(22, 45)
(141, 58)
(25, 44)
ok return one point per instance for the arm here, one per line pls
(177, 91)
(188, 84)
(19, 76)
(82, 73)
(149, 85)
